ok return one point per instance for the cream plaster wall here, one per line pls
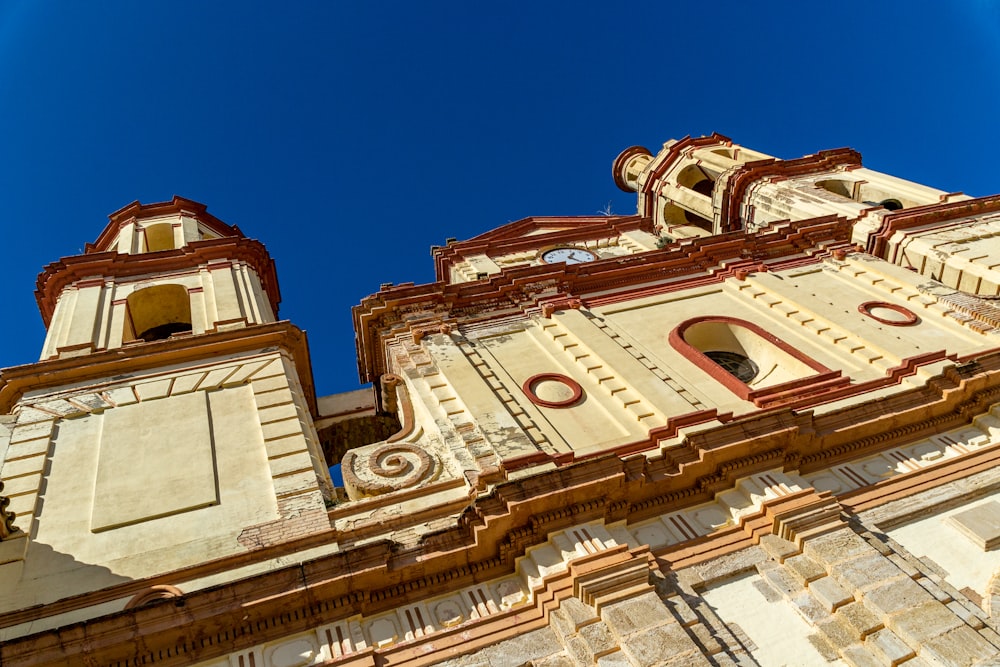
(779, 634)
(139, 526)
(155, 473)
(589, 424)
(961, 562)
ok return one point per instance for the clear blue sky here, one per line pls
(351, 136)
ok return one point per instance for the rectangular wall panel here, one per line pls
(164, 466)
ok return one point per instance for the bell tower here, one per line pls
(169, 420)
(680, 188)
(704, 186)
(157, 271)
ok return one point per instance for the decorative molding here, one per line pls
(100, 366)
(376, 589)
(136, 211)
(519, 236)
(152, 594)
(392, 466)
(919, 216)
(496, 530)
(618, 166)
(661, 166)
(396, 398)
(976, 312)
(561, 303)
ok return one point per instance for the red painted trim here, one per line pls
(135, 211)
(537, 458)
(529, 390)
(799, 390)
(618, 166)
(893, 376)
(730, 381)
(911, 317)
(675, 152)
(516, 237)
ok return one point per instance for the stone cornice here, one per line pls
(100, 366)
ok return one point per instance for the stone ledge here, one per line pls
(980, 524)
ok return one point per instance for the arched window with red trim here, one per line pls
(752, 363)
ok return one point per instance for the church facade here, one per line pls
(757, 422)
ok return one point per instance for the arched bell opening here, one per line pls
(157, 313)
(675, 216)
(159, 236)
(837, 186)
(697, 178)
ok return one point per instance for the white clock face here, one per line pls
(568, 255)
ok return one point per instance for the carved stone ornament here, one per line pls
(991, 601)
(7, 527)
(386, 467)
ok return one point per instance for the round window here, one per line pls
(889, 313)
(552, 390)
(741, 367)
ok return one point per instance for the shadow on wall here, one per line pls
(46, 575)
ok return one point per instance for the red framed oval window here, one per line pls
(889, 313)
(552, 390)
